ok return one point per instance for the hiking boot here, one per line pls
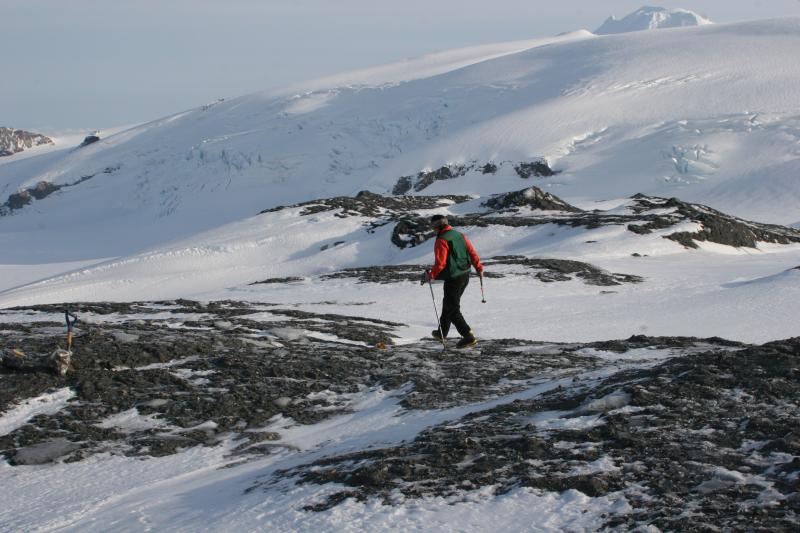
(436, 335)
(467, 341)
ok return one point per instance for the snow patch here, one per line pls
(610, 402)
(598, 466)
(131, 421)
(46, 404)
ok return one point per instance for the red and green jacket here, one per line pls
(453, 254)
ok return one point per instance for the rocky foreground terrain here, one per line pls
(694, 434)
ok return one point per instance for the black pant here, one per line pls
(451, 306)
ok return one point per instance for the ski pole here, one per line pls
(67, 316)
(483, 297)
(438, 322)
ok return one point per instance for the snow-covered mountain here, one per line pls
(593, 120)
(651, 18)
(616, 115)
(13, 141)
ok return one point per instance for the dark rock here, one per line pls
(535, 168)
(646, 214)
(290, 279)
(561, 270)
(489, 168)
(89, 139)
(426, 179)
(717, 227)
(410, 233)
(532, 197)
(373, 205)
(380, 274)
(403, 185)
(18, 200)
(42, 190)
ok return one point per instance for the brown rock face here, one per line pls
(14, 141)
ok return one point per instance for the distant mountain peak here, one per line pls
(651, 18)
(13, 141)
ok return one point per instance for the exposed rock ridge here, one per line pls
(370, 204)
(644, 215)
(533, 198)
(424, 179)
(717, 227)
(14, 141)
(532, 207)
(546, 270)
(41, 190)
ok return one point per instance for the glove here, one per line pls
(426, 277)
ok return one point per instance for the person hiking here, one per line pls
(453, 255)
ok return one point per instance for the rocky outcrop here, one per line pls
(370, 204)
(89, 139)
(549, 270)
(42, 190)
(532, 198)
(22, 198)
(645, 215)
(533, 207)
(14, 141)
(425, 179)
(489, 168)
(717, 227)
(538, 168)
(546, 270)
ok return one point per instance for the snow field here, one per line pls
(17, 275)
(695, 293)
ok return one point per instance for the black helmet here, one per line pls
(439, 219)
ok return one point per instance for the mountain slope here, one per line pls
(620, 114)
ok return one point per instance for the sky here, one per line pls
(74, 65)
